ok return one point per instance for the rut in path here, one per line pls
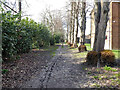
(63, 71)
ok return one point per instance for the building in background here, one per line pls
(112, 39)
(87, 38)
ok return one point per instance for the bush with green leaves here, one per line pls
(20, 36)
(52, 40)
(57, 38)
(9, 35)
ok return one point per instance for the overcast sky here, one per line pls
(36, 7)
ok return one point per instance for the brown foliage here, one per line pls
(71, 45)
(75, 46)
(107, 57)
(82, 48)
(68, 43)
(92, 57)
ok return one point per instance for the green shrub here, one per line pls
(95, 77)
(109, 69)
(9, 35)
(21, 36)
(57, 38)
(52, 41)
(4, 71)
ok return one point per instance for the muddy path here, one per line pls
(63, 71)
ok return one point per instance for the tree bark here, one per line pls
(19, 8)
(97, 13)
(73, 20)
(102, 29)
(83, 24)
(77, 23)
(67, 34)
(102, 26)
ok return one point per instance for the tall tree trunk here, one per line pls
(19, 3)
(97, 13)
(102, 26)
(67, 32)
(73, 20)
(77, 23)
(83, 24)
(102, 29)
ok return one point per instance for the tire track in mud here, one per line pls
(42, 78)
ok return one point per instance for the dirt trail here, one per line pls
(63, 71)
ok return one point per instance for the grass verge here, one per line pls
(88, 46)
(117, 53)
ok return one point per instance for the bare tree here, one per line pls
(77, 22)
(73, 20)
(102, 28)
(68, 26)
(19, 3)
(83, 23)
(97, 14)
(54, 20)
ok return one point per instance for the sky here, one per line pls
(34, 8)
(38, 6)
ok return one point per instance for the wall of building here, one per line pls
(115, 25)
(92, 28)
(108, 32)
(108, 41)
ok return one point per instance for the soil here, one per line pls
(22, 70)
(39, 70)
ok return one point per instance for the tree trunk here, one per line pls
(73, 20)
(97, 13)
(67, 32)
(102, 29)
(19, 2)
(102, 26)
(83, 24)
(77, 23)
